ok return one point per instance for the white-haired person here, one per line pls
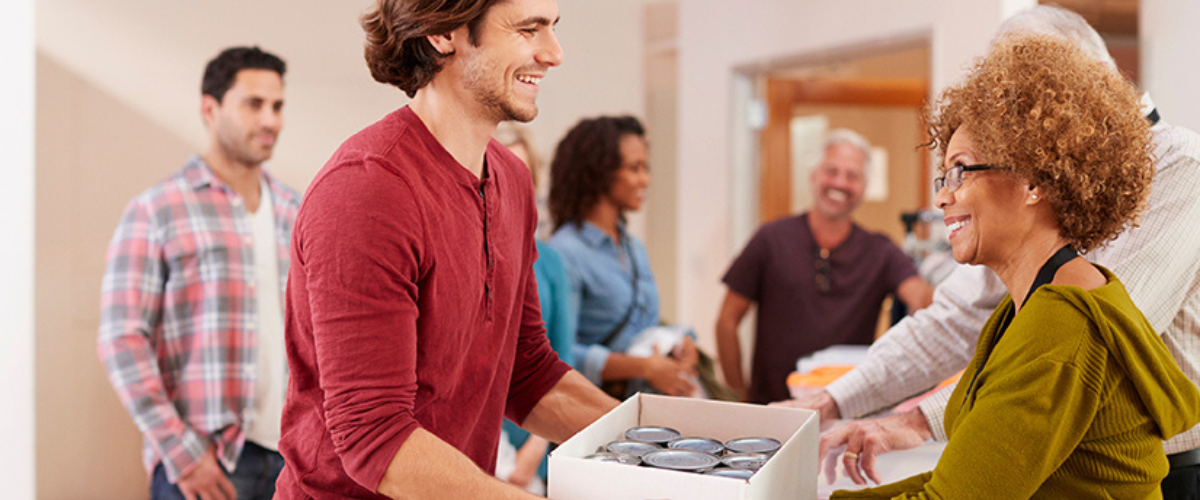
(817, 278)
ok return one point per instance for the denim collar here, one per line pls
(595, 236)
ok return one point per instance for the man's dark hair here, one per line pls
(223, 69)
(397, 51)
(585, 164)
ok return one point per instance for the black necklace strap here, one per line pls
(1046, 274)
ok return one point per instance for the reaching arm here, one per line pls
(915, 293)
(933, 408)
(428, 468)
(527, 461)
(870, 438)
(571, 405)
(729, 349)
(924, 348)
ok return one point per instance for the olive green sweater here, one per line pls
(1073, 402)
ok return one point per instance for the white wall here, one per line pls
(16, 251)
(717, 37)
(1169, 38)
(602, 67)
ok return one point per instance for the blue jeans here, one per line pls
(253, 478)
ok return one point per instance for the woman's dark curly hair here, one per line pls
(584, 164)
(397, 51)
(1040, 108)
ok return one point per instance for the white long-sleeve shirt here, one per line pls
(1159, 263)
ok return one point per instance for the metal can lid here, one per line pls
(730, 472)
(631, 447)
(652, 434)
(753, 445)
(687, 460)
(620, 458)
(748, 461)
(704, 444)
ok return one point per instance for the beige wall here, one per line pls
(662, 82)
(94, 154)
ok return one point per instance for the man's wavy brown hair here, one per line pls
(397, 51)
(1042, 109)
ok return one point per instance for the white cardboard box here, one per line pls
(790, 475)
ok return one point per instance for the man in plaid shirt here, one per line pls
(191, 327)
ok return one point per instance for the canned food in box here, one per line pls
(652, 434)
(631, 447)
(753, 445)
(619, 458)
(747, 461)
(682, 460)
(730, 472)
(704, 444)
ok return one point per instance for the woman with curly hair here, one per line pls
(599, 173)
(1071, 392)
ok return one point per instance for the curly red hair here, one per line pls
(1040, 108)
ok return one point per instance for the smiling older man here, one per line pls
(817, 278)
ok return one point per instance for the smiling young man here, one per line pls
(413, 322)
(817, 278)
(191, 327)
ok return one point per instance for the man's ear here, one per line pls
(442, 43)
(208, 109)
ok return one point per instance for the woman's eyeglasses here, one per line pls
(953, 178)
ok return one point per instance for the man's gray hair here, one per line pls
(1055, 20)
(849, 138)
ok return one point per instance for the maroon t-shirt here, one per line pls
(777, 270)
(411, 302)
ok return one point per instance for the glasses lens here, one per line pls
(954, 178)
(938, 183)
